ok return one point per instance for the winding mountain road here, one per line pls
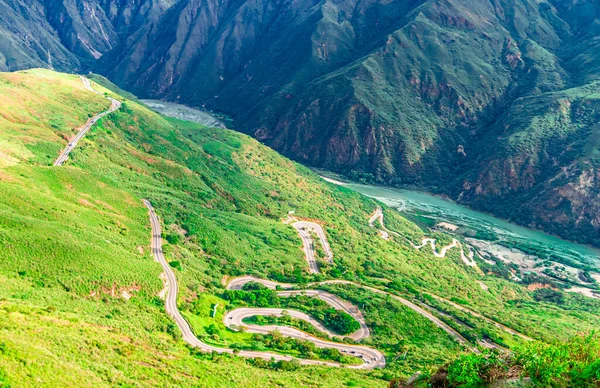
(482, 317)
(238, 284)
(285, 290)
(378, 215)
(372, 358)
(114, 105)
(304, 228)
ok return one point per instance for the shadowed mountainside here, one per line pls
(492, 103)
(429, 93)
(68, 34)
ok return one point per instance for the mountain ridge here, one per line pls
(415, 92)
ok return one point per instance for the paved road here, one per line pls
(483, 317)
(190, 338)
(114, 105)
(238, 283)
(304, 228)
(338, 304)
(378, 215)
(285, 291)
(371, 357)
(234, 319)
(435, 320)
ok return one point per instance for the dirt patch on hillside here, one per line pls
(585, 292)
(85, 202)
(448, 226)
(163, 293)
(537, 286)
(122, 292)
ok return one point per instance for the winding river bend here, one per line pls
(440, 209)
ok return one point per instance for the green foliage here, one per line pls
(286, 320)
(74, 240)
(338, 321)
(575, 361)
(80, 288)
(465, 371)
(472, 370)
(258, 298)
(283, 365)
(302, 348)
(173, 238)
(548, 295)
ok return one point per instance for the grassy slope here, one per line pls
(69, 242)
(73, 239)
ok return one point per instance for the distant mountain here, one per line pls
(457, 96)
(68, 34)
(490, 102)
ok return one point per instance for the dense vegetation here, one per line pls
(80, 290)
(335, 320)
(493, 103)
(304, 349)
(575, 363)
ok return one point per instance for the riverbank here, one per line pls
(522, 252)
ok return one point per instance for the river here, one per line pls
(183, 112)
(411, 201)
(438, 209)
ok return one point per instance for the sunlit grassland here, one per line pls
(268, 191)
(76, 343)
(41, 110)
(74, 242)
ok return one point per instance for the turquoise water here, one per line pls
(451, 212)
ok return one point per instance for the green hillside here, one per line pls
(80, 292)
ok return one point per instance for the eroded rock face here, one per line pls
(68, 34)
(489, 102)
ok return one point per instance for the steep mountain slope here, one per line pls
(81, 293)
(541, 166)
(68, 34)
(80, 289)
(395, 92)
(342, 84)
(28, 40)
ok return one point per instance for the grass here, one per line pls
(74, 239)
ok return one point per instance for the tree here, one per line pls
(548, 295)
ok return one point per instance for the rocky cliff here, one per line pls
(68, 34)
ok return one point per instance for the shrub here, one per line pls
(576, 361)
(548, 295)
(465, 370)
(173, 239)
